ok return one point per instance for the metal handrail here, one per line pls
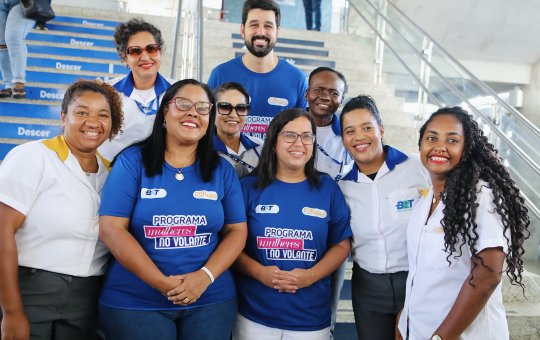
(493, 127)
(534, 129)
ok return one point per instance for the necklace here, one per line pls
(179, 176)
(435, 199)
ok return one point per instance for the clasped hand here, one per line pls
(285, 281)
(186, 289)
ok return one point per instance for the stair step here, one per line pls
(85, 21)
(76, 65)
(72, 52)
(29, 131)
(5, 148)
(28, 109)
(72, 40)
(78, 29)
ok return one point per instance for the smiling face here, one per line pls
(442, 146)
(362, 137)
(292, 157)
(87, 122)
(260, 32)
(186, 127)
(324, 95)
(231, 124)
(144, 67)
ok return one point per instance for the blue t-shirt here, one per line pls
(282, 88)
(175, 222)
(291, 225)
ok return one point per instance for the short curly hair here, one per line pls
(125, 30)
(113, 98)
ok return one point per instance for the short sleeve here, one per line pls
(212, 80)
(21, 176)
(490, 228)
(233, 199)
(340, 219)
(119, 193)
(302, 103)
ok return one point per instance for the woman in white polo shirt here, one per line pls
(51, 261)
(462, 232)
(381, 190)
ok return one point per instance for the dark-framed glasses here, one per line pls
(152, 50)
(291, 137)
(224, 108)
(184, 104)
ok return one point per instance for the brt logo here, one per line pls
(404, 205)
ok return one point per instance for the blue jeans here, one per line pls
(13, 30)
(212, 322)
(313, 11)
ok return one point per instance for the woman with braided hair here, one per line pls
(461, 234)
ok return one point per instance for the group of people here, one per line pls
(230, 208)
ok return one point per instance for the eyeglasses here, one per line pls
(136, 51)
(226, 108)
(184, 104)
(291, 137)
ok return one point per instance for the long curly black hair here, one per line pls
(480, 161)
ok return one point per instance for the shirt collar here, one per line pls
(244, 140)
(393, 158)
(58, 144)
(127, 85)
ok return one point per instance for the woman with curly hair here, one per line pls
(139, 45)
(51, 259)
(471, 222)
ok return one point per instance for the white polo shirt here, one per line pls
(433, 284)
(139, 113)
(247, 157)
(380, 211)
(44, 181)
(332, 157)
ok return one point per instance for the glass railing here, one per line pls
(427, 77)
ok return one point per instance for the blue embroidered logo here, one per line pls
(405, 205)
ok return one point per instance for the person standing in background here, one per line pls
(273, 83)
(232, 106)
(139, 45)
(14, 28)
(313, 14)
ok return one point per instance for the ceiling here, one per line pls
(482, 30)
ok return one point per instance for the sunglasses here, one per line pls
(152, 50)
(184, 104)
(225, 108)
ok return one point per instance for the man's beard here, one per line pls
(258, 51)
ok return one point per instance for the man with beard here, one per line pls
(274, 84)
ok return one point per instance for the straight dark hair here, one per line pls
(267, 168)
(153, 147)
(265, 5)
(362, 102)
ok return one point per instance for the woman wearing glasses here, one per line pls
(298, 236)
(139, 46)
(173, 216)
(241, 150)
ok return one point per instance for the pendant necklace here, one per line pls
(179, 176)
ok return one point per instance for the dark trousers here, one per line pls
(312, 9)
(58, 306)
(376, 300)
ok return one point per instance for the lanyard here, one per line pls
(147, 110)
(237, 159)
(338, 177)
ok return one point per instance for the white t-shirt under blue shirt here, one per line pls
(177, 223)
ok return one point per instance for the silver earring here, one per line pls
(164, 124)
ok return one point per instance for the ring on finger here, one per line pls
(186, 300)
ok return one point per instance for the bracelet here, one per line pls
(209, 273)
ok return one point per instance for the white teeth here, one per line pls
(189, 124)
(361, 146)
(439, 159)
(91, 134)
(297, 153)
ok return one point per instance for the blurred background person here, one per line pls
(241, 150)
(173, 217)
(464, 234)
(312, 9)
(51, 260)
(139, 45)
(299, 234)
(14, 28)
(381, 190)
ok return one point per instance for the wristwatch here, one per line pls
(436, 337)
